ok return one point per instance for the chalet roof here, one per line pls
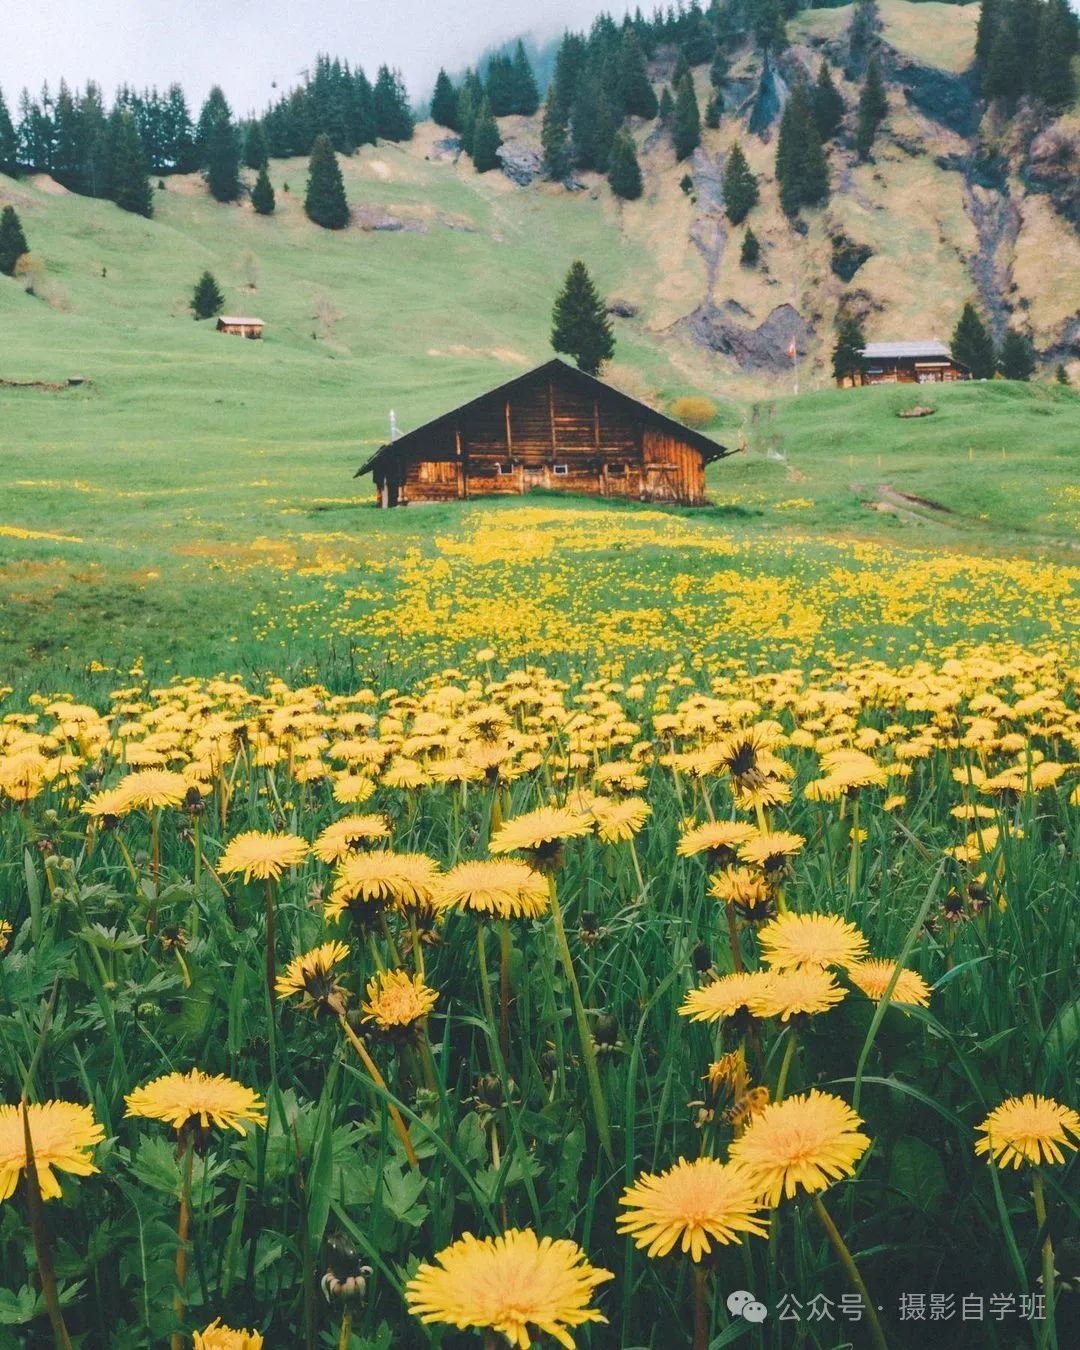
(570, 375)
(928, 347)
(239, 319)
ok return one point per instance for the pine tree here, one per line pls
(624, 172)
(1054, 82)
(262, 194)
(580, 325)
(213, 110)
(207, 299)
(325, 201)
(637, 97)
(9, 145)
(687, 132)
(1016, 360)
(486, 140)
(848, 348)
(873, 105)
(972, 345)
(555, 136)
(740, 186)
(1061, 375)
(719, 70)
(12, 241)
(525, 94)
(985, 33)
(256, 154)
(593, 126)
(129, 185)
(750, 250)
(682, 69)
(828, 104)
(713, 112)
(444, 103)
(393, 117)
(666, 111)
(223, 161)
(801, 167)
(470, 98)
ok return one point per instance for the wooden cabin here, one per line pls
(922, 362)
(240, 326)
(554, 427)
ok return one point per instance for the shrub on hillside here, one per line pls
(693, 410)
(207, 299)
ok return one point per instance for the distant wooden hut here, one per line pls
(240, 326)
(553, 427)
(925, 361)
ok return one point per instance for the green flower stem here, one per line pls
(485, 979)
(183, 1223)
(271, 942)
(504, 989)
(588, 1051)
(785, 1065)
(856, 1280)
(853, 862)
(701, 1307)
(1038, 1195)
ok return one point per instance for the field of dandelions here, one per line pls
(667, 973)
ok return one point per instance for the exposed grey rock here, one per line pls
(522, 163)
(708, 175)
(622, 309)
(762, 348)
(448, 148)
(378, 218)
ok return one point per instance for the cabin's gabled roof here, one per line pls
(929, 348)
(239, 321)
(569, 375)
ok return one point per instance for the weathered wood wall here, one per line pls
(544, 434)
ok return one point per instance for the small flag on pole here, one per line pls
(792, 350)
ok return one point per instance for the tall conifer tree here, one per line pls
(580, 324)
(526, 95)
(207, 299)
(9, 145)
(393, 117)
(222, 156)
(128, 180)
(12, 241)
(444, 103)
(256, 154)
(325, 201)
(801, 167)
(262, 194)
(624, 172)
(1017, 358)
(873, 105)
(636, 95)
(740, 186)
(486, 139)
(972, 344)
(828, 104)
(687, 129)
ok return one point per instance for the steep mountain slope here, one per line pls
(446, 278)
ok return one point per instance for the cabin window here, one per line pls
(616, 470)
(505, 469)
(560, 470)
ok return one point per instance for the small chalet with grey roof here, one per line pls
(553, 427)
(925, 361)
(240, 325)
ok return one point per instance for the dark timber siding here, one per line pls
(551, 429)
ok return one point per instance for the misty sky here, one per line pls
(245, 45)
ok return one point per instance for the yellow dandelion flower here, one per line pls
(311, 976)
(690, 1204)
(771, 852)
(720, 838)
(181, 1099)
(353, 789)
(262, 854)
(873, 977)
(217, 1336)
(739, 886)
(110, 802)
(150, 789)
(341, 838)
(805, 1142)
(541, 832)
(62, 1135)
(382, 878)
(724, 997)
(1028, 1129)
(617, 822)
(792, 940)
(396, 1000)
(507, 1284)
(803, 990)
(503, 887)
(6, 931)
